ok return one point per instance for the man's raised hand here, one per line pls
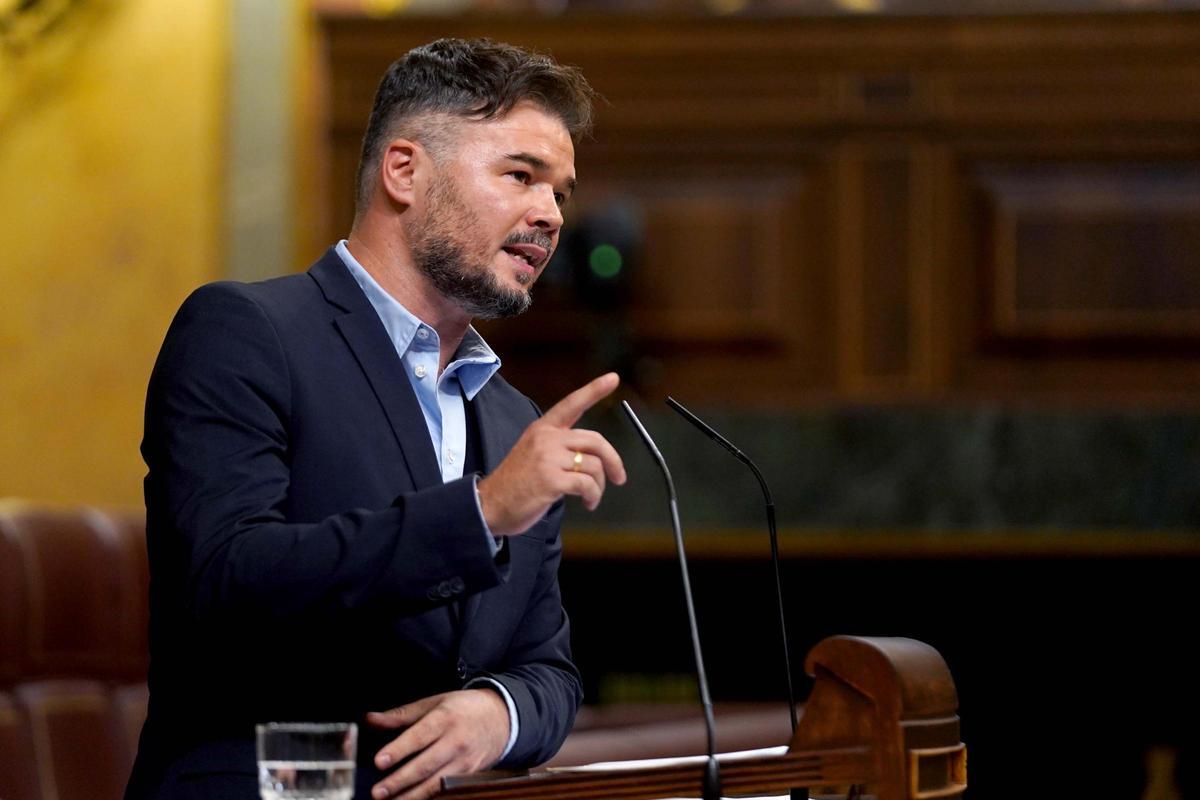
(552, 459)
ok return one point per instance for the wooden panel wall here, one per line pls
(864, 209)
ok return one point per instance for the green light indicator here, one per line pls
(605, 261)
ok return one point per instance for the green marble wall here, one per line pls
(920, 468)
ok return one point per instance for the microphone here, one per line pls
(712, 769)
(740, 456)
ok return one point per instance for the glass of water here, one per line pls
(306, 760)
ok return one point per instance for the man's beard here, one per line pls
(459, 268)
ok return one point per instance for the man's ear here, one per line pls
(397, 169)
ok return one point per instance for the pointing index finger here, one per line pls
(566, 412)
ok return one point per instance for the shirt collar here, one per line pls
(474, 362)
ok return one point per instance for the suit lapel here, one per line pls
(496, 438)
(496, 435)
(364, 333)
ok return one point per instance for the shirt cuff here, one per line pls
(513, 724)
(494, 544)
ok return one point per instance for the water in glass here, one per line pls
(306, 760)
(306, 780)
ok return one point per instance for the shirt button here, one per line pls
(422, 333)
(419, 371)
(450, 457)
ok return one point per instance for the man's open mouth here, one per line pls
(531, 254)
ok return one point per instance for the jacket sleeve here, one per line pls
(539, 673)
(217, 444)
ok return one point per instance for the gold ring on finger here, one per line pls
(577, 461)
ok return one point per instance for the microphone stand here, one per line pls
(708, 431)
(712, 769)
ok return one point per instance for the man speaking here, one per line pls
(350, 515)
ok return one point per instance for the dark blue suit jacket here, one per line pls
(307, 562)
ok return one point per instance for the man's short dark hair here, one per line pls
(473, 79)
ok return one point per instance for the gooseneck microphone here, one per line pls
(712, 769)
(742, 457)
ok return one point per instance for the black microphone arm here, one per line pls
(742, 457)
(712, 770)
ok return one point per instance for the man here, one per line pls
(350, 515)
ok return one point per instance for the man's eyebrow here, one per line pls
(538, 164)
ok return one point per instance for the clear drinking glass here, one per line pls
(306, 760)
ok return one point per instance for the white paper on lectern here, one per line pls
(650, 763)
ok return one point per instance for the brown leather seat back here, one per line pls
(130, 704)
(18, 772)
(133, 606)
(76, 739)
(73, 650)
(71, 562)
(13, 611)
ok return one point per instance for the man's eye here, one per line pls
(521, 175)
(560, 198)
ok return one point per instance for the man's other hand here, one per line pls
(552, 459)
(447, 734)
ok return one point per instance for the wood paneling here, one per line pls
(718, 246)
(860, 209)
(879, 264)
(1093, 251)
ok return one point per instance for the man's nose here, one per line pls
(545, 213)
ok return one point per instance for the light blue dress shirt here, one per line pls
(440, 396)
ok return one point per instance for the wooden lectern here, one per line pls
(882, 716)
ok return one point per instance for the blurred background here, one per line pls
(935, 265)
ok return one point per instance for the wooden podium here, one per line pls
(882, 716)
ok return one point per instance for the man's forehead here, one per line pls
(529, 129)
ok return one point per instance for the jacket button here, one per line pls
(457, 585)
(462, 668)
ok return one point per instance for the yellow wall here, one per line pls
(110, 183)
